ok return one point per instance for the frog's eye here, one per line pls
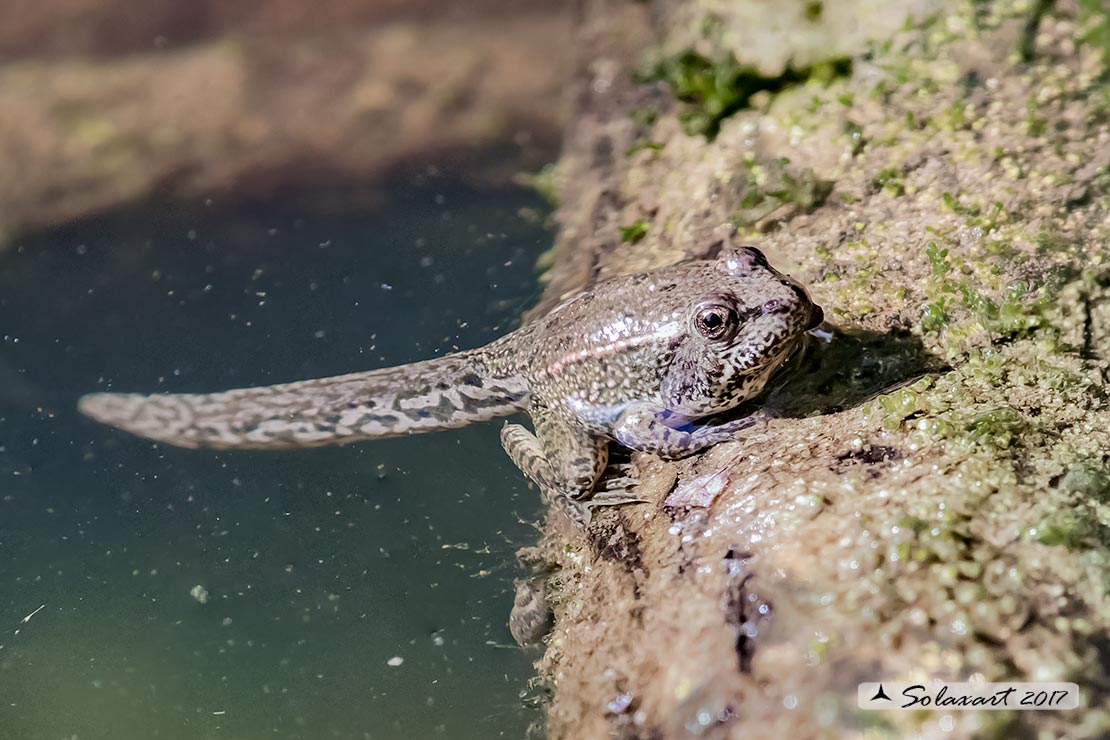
(716, 322)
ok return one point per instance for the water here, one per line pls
(320, 568)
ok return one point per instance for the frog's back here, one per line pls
(604, 348)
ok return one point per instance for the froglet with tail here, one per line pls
(637, 360)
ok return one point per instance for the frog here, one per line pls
(647, 361)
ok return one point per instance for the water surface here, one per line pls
(351, 592)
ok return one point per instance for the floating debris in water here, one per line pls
(27, 618)
(395, 661)
(200, 593)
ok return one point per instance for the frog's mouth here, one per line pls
(774, 353)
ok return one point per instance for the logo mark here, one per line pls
(880, 694)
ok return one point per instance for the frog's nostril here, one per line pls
(774, 306)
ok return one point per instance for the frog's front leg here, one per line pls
(565, 461)
(645, 428)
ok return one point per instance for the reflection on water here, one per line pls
(355, 592)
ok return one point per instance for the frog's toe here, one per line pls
(618, 483)
(615, 498)
(620, 468)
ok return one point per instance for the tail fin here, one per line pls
(444, 393)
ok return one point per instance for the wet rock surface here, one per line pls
(931, 500)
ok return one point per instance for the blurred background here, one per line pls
(107, 102)
(205, 195)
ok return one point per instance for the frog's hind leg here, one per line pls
(524, 449)
(579, 459)
(565, 461)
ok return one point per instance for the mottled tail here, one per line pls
(444, 393)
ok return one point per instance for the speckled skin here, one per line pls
(637, 359)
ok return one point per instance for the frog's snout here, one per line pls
(814, 315)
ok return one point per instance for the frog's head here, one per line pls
(743, 324)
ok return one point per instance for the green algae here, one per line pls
(634, 232)
(1085, 523)
(889, 179)
(774, 185)
(643, 144)
(955, 283)
(1094, 20)
(715, 88)
(1017, 373)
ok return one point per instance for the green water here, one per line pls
(321, 567)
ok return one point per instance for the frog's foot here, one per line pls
(580, 510)
(644, 429)
(577, 510)
(618, 483)
(532, 617)
(619, 473)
